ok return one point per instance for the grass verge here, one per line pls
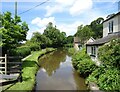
(29, 70)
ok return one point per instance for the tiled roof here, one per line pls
(105, 39)
(112, 17)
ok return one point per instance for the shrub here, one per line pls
(95, 74)
(78, 57)
(20, 51)
(86, 67)
(71, 51)
(107, 78)
(34, 47)
(109, 53)
(69, 45)
(110, 80)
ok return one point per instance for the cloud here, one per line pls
(65, 2)
(42, 22)
(70, 29)
(74, 7)
(38, 25)
(54, 9)
(80, 6)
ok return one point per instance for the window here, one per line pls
(93, 50)
(111, 27)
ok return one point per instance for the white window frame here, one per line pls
(111, 27)
(93, 50)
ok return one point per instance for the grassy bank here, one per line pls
(29, 70)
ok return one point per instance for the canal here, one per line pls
(57, 73)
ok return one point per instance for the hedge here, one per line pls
(20, 51)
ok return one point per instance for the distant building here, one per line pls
(77, 44)
(111, 30)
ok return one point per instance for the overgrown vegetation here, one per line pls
(107, 75)
(30, 67)
(71, 51)
(83, 63)
(20, 51)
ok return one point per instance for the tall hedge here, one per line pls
(21, 51)
(109, 54)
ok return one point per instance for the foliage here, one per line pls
(95, 74)
(107, 75)
(110, 80)
(57, 38)
(12, 30)
(70, 45)
(109, 53)
(97, 27)
(94, 29)
(70, 39)
(86, 67)
(84, 33)
(20, 51)
(107, 78)
(51, 37)
(78, 57)
(71, 51)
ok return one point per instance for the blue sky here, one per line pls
(67, 15)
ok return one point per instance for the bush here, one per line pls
(86, 67)
(109, 53)
(110, 80)
(20, 51)
(107, 78)
(69, 45)
(71, 51)
(95, 74)
(34, 47)
(78, 57)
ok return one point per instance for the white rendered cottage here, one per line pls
(111, 30)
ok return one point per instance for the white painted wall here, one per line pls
(116, 25)
(89, 52)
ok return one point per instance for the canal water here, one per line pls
(57, 73)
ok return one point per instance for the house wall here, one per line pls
(116, 27)
(89, 52)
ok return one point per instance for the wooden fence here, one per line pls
(11, 65)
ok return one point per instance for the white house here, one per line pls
(111, 30)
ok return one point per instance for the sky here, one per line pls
(67, 15)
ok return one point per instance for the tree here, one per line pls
(70, 39)
(97, 27)
(84, 33)
(12, 30)
(57, 38)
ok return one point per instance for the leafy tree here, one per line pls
(57, 38)
(12, 30)
(97, 27)
(84, 33)
(70, 39)
(38, 41)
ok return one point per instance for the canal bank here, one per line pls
(30, 67)
(57, 73)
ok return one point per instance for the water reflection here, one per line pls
(51, 62)
(57, 73)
